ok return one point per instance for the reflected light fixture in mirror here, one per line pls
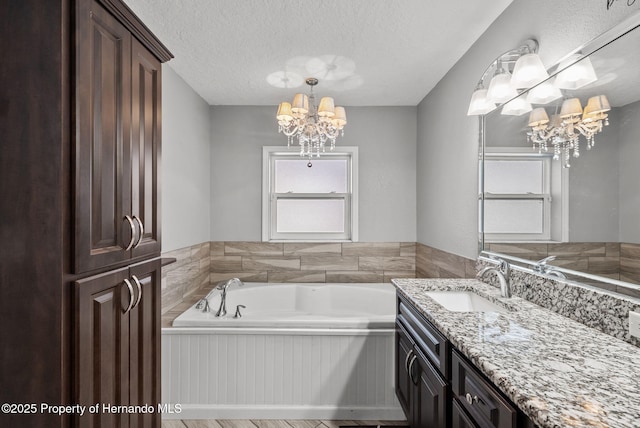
(564, 129)
(575, 76)
(526, 70)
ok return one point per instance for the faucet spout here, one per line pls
(222, 310)
(502, 271)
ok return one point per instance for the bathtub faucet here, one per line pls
(222, 310)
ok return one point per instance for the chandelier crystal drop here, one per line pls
(311, 126)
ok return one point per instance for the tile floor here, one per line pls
(246, 423)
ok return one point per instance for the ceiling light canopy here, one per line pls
(312, 127)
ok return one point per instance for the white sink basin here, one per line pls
(464, 301)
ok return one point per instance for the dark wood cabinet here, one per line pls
(420, 387)
(78, 159)
(117, 145)
(117, 337)
(145, 149)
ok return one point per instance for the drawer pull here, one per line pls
(472, 399)
(413, 360)
(406, 360)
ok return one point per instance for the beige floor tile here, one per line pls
(170, 423)
(202, 423)
(271, 423)
(236, 423)
(337, 424)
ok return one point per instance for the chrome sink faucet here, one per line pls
(222, 310)
(502, 271)
(543, 268)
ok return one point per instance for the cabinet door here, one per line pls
(459, 418)
(432, 392)
(102, 138)
(145, 149)
(144, 337)
(404, 385)
(102, 346)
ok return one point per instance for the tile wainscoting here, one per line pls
(313, 262)
(202, 265)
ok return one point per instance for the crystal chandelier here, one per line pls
(564, 129)
(311, 126)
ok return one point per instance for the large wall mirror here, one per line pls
(560, 171)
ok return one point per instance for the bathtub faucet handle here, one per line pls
(238, 314)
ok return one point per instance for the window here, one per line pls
(302, 203)
(517, 197)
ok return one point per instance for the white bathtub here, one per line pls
(299, 351)
(299, 306)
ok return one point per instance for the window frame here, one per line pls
(545, 197)
(270, 198)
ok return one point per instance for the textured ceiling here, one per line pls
(365, 52)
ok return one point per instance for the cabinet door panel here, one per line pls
(145, 147)
(433, 396)
(403, 380)
(102, 138)
(145, 344)
(102, 346)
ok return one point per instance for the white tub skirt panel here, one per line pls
(241, 373)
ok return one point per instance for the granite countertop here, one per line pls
(559, 372)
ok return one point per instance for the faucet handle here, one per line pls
(238, 314)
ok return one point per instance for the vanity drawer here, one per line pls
(479, 398)
(430, 341)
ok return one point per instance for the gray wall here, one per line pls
(447, 188)
(629, 133)
(385, 136)
(185, 164)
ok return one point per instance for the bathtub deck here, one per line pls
(246, 423)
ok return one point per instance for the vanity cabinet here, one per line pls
(438, 387)
(117, 336)
(117, 143)
(421, 363)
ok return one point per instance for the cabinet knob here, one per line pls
(472, 399)
(133, 232)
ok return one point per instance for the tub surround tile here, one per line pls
(297, 276)
(389, 275)
(354, 276)
(216, 248)
(226, 263)
(383, 249)
(408, 249)
(270, 263)
(387, 263)
(555, 369)
(434, 263)
(329, 263)
(217, 277)
(313, 248)
(237, 248)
